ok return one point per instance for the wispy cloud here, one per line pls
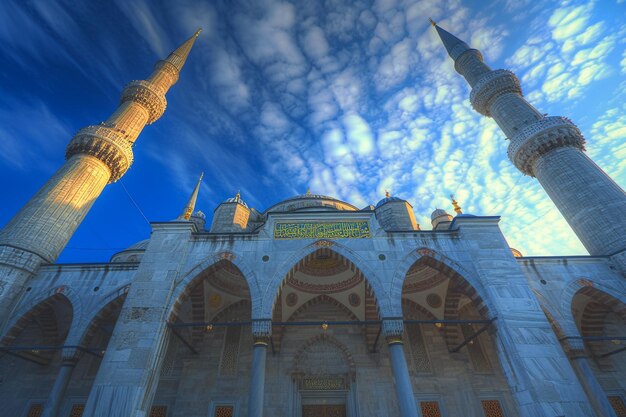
(351, 98)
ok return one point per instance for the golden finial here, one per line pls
(456, 206)
(197, 32)
(238, 195)
(432, 22)
(308, 191)
(387, 195)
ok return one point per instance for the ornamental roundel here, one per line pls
(215, 301)
(292, 299)
(434, 300)
(354, 299)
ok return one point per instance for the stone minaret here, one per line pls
(96, 155)
(550, 149)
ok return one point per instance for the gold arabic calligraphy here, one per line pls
(314, 230)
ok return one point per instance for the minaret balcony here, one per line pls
(540, 137)
(107, 144)
(490, 86)
(149, 95)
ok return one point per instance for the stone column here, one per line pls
(129, 374)
(595, 393)
(261, 332)
(55, 399)
(392, 331)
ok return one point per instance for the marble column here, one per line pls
(55, 398)
(261, 333)
(392, 331)
(590, 383)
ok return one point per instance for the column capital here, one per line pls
(392, 329)
(261, 331)
(70, 356)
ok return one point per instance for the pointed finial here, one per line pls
(387, 195)
(308, 191)
(432, 22)
(238, 195)
(191, 204)
(456, 206)
(180, 54)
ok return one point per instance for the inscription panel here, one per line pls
(322, 230)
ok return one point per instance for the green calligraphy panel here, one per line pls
(319, 230)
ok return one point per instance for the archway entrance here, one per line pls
(325, 316)
(206, 367)
(448, 341)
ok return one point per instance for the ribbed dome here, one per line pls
(130, 254)
(311, 201)
(386, 200)
(438, 213)
(237, 199)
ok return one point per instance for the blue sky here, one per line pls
(349, 98)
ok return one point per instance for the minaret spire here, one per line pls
(179, 55)
(550, 149)
(191, 204)
(96, 156)
(454, 45)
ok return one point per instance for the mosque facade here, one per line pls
(316, 307)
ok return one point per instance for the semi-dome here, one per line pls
(132, 253)
(311, 201)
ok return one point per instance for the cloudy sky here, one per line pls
(349, 98)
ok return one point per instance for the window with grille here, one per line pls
(158, 411)
(228, 364)
(77, 410)
(224, 411)
(475, 350)
(492, 408)
(617, 402)
(419, 354)
(35, 410)
(430, 409)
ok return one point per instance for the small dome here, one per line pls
(199, 214)
(386, 200)
(132, 253)
(237, 199)
(438, 213)
(141, 245)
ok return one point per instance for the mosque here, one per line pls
(315, 307)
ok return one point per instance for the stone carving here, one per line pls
(169, 69)
(541, 137)
(392, 330)
(107, 144)
(149, 95)
(490, 86)
(261, 330)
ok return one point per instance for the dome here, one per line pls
(310, 201)
(131, 253)
(388, 199)
(237, 199)
(438, 213)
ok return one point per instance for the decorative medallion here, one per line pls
(215, 301)
(354, 299)
(434, 300)
(291, 299)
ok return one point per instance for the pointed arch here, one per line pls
(272, 291)
(187, 282)
(185, 287)
(321, 299)
(112, 308)
(461, 279)
(323, 338)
